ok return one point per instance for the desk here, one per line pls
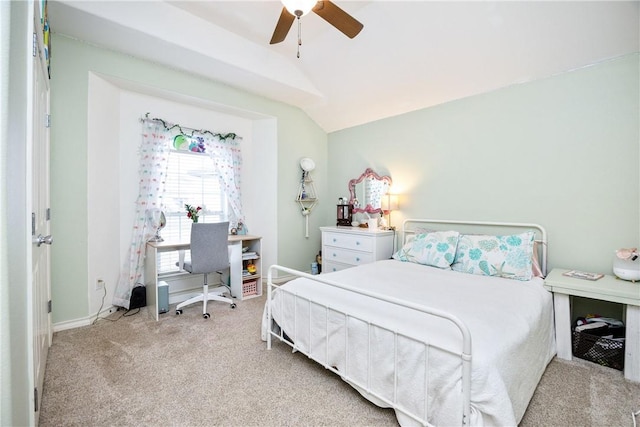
(236, 265)
(609, 288)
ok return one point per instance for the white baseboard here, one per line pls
(78, 323)
(183, 293)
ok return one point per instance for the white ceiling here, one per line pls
(410, 54)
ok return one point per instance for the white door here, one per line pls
(40, 288)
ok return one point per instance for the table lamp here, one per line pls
(389, 204)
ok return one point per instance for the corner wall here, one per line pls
(280, 136)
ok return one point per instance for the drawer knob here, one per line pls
(334, 240)
(357, 259)
(334, 254)
(357, 243)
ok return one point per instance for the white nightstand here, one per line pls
(344, 247)
(608, 288)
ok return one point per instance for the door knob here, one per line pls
(43, 239)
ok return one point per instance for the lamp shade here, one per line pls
(303, 6)
(390, 202)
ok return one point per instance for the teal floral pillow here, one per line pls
(437, 249)
(504, 256)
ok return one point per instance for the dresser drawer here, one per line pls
(330, 267)
(348, 241)
(344, 247)
(347, 256)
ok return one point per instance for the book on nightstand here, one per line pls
(583, 275)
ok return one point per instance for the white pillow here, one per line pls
(436, 249)
(504, 256)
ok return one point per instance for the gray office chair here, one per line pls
(209, 254)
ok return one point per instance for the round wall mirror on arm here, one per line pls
(367, 190)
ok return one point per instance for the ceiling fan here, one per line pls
(327, 10)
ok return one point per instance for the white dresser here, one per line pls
(344, 247)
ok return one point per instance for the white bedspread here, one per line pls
(511, 324)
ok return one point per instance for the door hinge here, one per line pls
(48, 214)
(35, 45)
(47, 120)
(33, 223)
(49, 306)
(35, 399)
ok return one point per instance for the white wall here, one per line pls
(103, 182)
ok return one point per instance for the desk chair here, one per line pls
(209, 254)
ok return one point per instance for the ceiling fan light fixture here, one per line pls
(299, 7)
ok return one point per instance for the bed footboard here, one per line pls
(364, 386)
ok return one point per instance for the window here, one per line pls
(190, 180)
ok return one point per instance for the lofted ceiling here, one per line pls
(410, 54)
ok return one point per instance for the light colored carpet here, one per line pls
(185, 370)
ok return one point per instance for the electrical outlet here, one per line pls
(99, 285)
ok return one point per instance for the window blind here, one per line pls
(191, 179)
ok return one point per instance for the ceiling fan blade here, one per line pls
(282, 27)
(337, 17)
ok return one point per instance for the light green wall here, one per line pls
(16, 330)
(562, 152)
(71, 64)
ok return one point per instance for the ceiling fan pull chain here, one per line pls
(299, 36)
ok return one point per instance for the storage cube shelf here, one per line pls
(251, 282)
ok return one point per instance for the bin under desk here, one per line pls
(236, 243)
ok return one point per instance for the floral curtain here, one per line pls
(227, 162)
(154, 154)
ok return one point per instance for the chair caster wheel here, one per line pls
(178, 312)
(206, 315)
(233, 305)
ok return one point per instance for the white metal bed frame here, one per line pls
(464, 352)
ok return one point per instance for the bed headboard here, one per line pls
(409, 227)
